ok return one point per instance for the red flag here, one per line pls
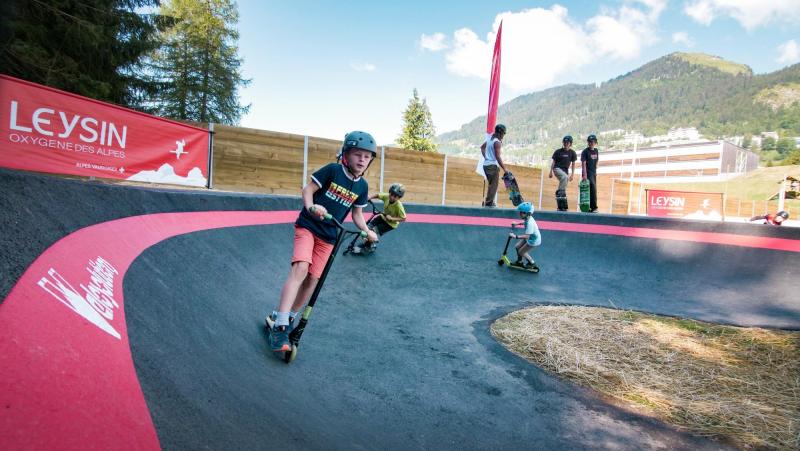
(494, 84)
(494, 96)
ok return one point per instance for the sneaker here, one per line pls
(272, 317)
(531, 266)
(279, 339)
(593, 211)
(490, 205)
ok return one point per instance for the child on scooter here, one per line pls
(528, 239)
(335, 189)
(393, 214)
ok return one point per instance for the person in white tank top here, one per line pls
(493, 163)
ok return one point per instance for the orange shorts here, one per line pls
(310, 249)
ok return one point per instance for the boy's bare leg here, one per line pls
(292, 285)
(524, 252)
(304, 293)
(518, 247)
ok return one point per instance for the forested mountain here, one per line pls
(719, 97)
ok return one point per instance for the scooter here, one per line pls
(365, 248)
(297, 332)
(504, 260)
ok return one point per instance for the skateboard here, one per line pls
(584, 195)
(513, 188)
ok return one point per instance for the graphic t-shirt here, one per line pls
(564, 157)
(590, 156)
(338, 193)
(532, 229)
(396, 209)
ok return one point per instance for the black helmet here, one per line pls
(568, 139)
(783, 214)
(397, 189)
(500, 128)
(359, 140)
(591, 138)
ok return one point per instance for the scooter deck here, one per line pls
(534, 270)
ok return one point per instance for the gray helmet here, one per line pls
(359, 140)
(783, 214)
(568, 139)
(397, 189)
(500, 128)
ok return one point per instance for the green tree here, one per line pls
(784, 146)
(747, 141)
(198, 66)
(793, 157)
(418, 129)
(90, 47)
(768, 144)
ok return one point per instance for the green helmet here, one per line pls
(397, 189)
(500, 128)
(359, 140)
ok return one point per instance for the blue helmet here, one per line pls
(525, 207)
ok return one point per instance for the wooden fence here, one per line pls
(261, 161)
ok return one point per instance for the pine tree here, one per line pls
(418, 131)
(88, 47)
(198, 65)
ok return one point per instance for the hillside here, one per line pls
(719, 97)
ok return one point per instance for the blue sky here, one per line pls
(323, 68)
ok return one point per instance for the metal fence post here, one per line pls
(611, 202)
(639, 208)
(541, 186)
(210, 153)
(383, 157)
(305, 162)
(444, 181)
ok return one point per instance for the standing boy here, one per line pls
(563, 158)
(334, 189)
(589, 159)
(493, 162)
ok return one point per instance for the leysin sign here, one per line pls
(46, 130)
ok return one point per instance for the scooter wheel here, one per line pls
(289, 356)
(500, 262)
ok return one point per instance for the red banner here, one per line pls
(46, 130)
(685, 204)
(494, 84)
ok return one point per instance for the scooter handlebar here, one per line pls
(338, 224)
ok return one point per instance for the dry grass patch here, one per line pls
(740, 384)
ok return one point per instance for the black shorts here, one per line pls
(380, 225)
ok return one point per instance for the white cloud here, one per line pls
(751, 14)
(434, 42)
(789, 52)
(363, 67)
(540, 44)
(681, 37)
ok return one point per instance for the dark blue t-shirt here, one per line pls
(590, 156)
(338, 192)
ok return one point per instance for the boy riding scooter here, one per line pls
(393, 214)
